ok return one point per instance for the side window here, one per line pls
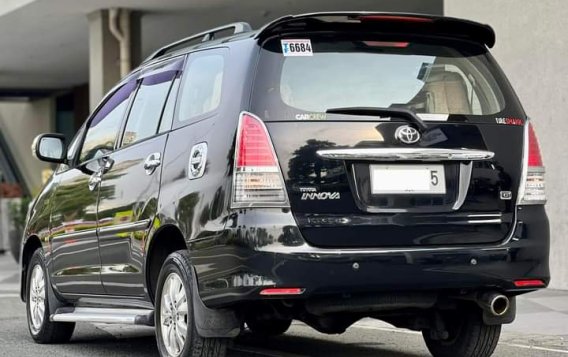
(105, 125)
(168, 114)
(147, 107)
(201, 86)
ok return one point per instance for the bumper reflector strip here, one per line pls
(529, 283)
(282, 291)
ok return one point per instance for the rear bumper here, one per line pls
(263, 248)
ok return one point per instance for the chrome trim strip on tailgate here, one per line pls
(406, 154)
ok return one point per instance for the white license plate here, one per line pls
(408, 179)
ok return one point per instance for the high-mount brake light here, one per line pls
(386, 44)
(532, 188)
(257, 179)
(395, 18)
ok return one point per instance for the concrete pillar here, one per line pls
(104, 53)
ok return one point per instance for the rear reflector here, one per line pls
(533, 283)
(257, 180)
(532, 188)
(395, 18)
(282, 291)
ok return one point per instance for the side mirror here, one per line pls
(49, 148)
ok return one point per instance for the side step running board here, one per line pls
(104, 315)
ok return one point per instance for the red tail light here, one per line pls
(254, 145)
(534, 149)
(532, 187)
(257, 180)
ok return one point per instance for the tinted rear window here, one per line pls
(201, 85)
(427, 77)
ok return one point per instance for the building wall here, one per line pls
(532, 48)
(20, 123)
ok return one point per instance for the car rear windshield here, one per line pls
(425, 76)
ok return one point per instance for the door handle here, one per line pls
(152, 162)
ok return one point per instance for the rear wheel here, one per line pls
(38, 305)
(175, 322)
(268, 327)
(468, 336)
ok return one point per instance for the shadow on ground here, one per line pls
(317, 345)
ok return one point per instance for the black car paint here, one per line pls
(237, 252)
(432, 221)
(267, 244)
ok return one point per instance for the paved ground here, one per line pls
(541, 329)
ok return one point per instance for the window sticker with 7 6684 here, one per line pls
(301, 47)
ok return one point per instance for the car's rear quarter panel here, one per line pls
(200, 207)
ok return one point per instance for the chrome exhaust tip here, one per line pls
(494, 303)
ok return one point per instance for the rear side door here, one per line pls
(75, 263)
(131, 185)
(360, 170)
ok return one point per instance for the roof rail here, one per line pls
(238, 27)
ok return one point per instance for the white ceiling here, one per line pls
(44, 43)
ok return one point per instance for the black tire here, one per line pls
(271, 327)
(469, 336)
(178, 263)
(47, 331)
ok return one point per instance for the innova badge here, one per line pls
(407, 134)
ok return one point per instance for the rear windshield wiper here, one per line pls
(406, 114)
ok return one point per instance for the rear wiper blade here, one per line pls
(406, 114)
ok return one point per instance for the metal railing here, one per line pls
(205, 36)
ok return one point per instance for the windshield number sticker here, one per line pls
(297, 48)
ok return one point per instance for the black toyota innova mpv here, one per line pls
(325, 168)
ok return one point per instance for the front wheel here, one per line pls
(175, 325)
(38, 305)
(468, 336)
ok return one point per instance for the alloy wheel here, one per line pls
(37, 298)
(174, 314)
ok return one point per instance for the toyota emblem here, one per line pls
(407, 134)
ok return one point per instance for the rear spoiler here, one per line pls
(391, 23)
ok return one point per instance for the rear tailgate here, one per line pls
(352, 178)
(333, 201)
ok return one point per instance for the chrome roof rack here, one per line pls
(209, 35)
